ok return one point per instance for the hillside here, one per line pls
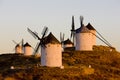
(78, 65)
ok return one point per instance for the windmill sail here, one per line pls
(44, 32)
(72, 36)
(103, 38)
(36, 48)
(81, 20)
(35, 35)
(73, 28)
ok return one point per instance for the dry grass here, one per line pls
(105, 65)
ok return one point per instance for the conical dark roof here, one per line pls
(50, 39)
(68, 41)
(82, 29)
(90, 27)
(18, 45)
(27, 44)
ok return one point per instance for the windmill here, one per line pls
(41, 40)
(73, 30)
(93, 31)
(51, 54)
(19, 46)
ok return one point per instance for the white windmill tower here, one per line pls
(27, 49)
(84, 40)
(51, 54)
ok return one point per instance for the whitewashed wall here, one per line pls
(27, 50)
(84, 41)
(51, 55)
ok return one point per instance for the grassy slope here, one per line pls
(105, 66)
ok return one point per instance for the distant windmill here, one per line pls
(27, 49)
(35, 35)
(73, 31)
(19, 46)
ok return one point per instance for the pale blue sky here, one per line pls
(17, 15)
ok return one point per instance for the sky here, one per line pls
(17, 15)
